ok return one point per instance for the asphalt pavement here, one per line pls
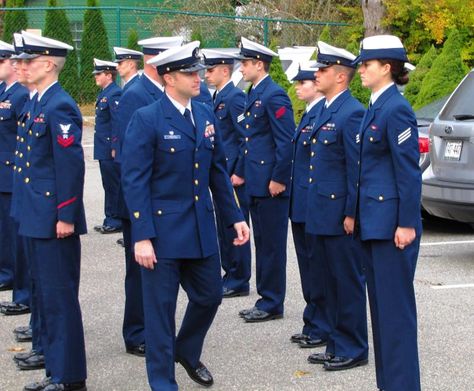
(260, 357)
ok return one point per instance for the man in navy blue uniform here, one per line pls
(12, 100)
(331, 200)
(229, 102)
(33, 359)
(105, 73)
(269, 127)
(52, 215)
(146, 90)
(172, 156)
(128, 63)
(388, 221)
(306, 91)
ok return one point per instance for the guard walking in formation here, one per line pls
(146, 90)
(52, 217)
(106, 107)
(331, 200)
(172, 156)
(269, 126)
(12, 100)
(229, 102)
(388, 220)
(306, 91)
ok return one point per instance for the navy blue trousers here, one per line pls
(346, 299)
(22, 278)
(133, 318)
(55, 270)
(321, 318)
(390, 273)
(201, 280)
(236, 260)
(303, 255)
(7, 233)
(110, 174)
(270, 231)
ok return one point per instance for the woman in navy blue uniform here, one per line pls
(388, 221)
(306, 91)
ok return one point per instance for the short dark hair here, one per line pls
(266, 65)
(113, 73)
(398, 70)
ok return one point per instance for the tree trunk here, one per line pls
(374, 11)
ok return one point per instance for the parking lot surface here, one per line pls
(260, 357)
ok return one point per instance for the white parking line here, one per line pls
(447, 243)
(454, 286)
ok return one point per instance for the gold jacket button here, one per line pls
(159, 212)
(48, 194)
(310, 180)
(333, 196)
(380, 198)
(196, 198)
(196, 182)
(196, 165)
(172, 149)
(371, 139)
(27, 180)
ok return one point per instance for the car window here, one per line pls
(462, 101)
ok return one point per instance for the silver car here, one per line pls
(448, 184)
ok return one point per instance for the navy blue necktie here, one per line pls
(187, 115)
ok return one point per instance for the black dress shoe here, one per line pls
(296, 338)
(78, 386)
(27, 336)
(107, 229)
(247, 311)
(228, 293)
(38, 385)
(138, 350)
(261, 316)
(23, 356)
(320, 358)
(120, 242)
(15, 309)
(200, 374)
(98, 228)
(21, 329)
(341, 363)
(34, 362)
(312, 343)
(4, 286)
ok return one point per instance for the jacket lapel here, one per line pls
(370, 113)
(201, 123)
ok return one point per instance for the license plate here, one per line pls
(453, 150)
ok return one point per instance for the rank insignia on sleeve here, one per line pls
(357, 138)
(280, 112)
(404, 136)
(65, 139)
(241, 117)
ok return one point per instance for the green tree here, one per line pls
(416, 77)
(94, 45)
(276, 70)
(14, 20)
(325, 35)
(132, 42)
(57, 27)
(132, 39)
(446, 72)
(358, 91)
(299, 106)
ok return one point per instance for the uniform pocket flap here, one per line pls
(5, 114)
(374, 136)
(7, 158)
(46, 187)
(164, 207)
(382, 193)
(333, 190)
(327, 137)
(172, 146)
(38, 129)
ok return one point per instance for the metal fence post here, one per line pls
(265, 31)
(119, 32)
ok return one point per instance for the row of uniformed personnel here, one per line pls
(251, 140)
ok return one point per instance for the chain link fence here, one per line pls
(213, 30)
